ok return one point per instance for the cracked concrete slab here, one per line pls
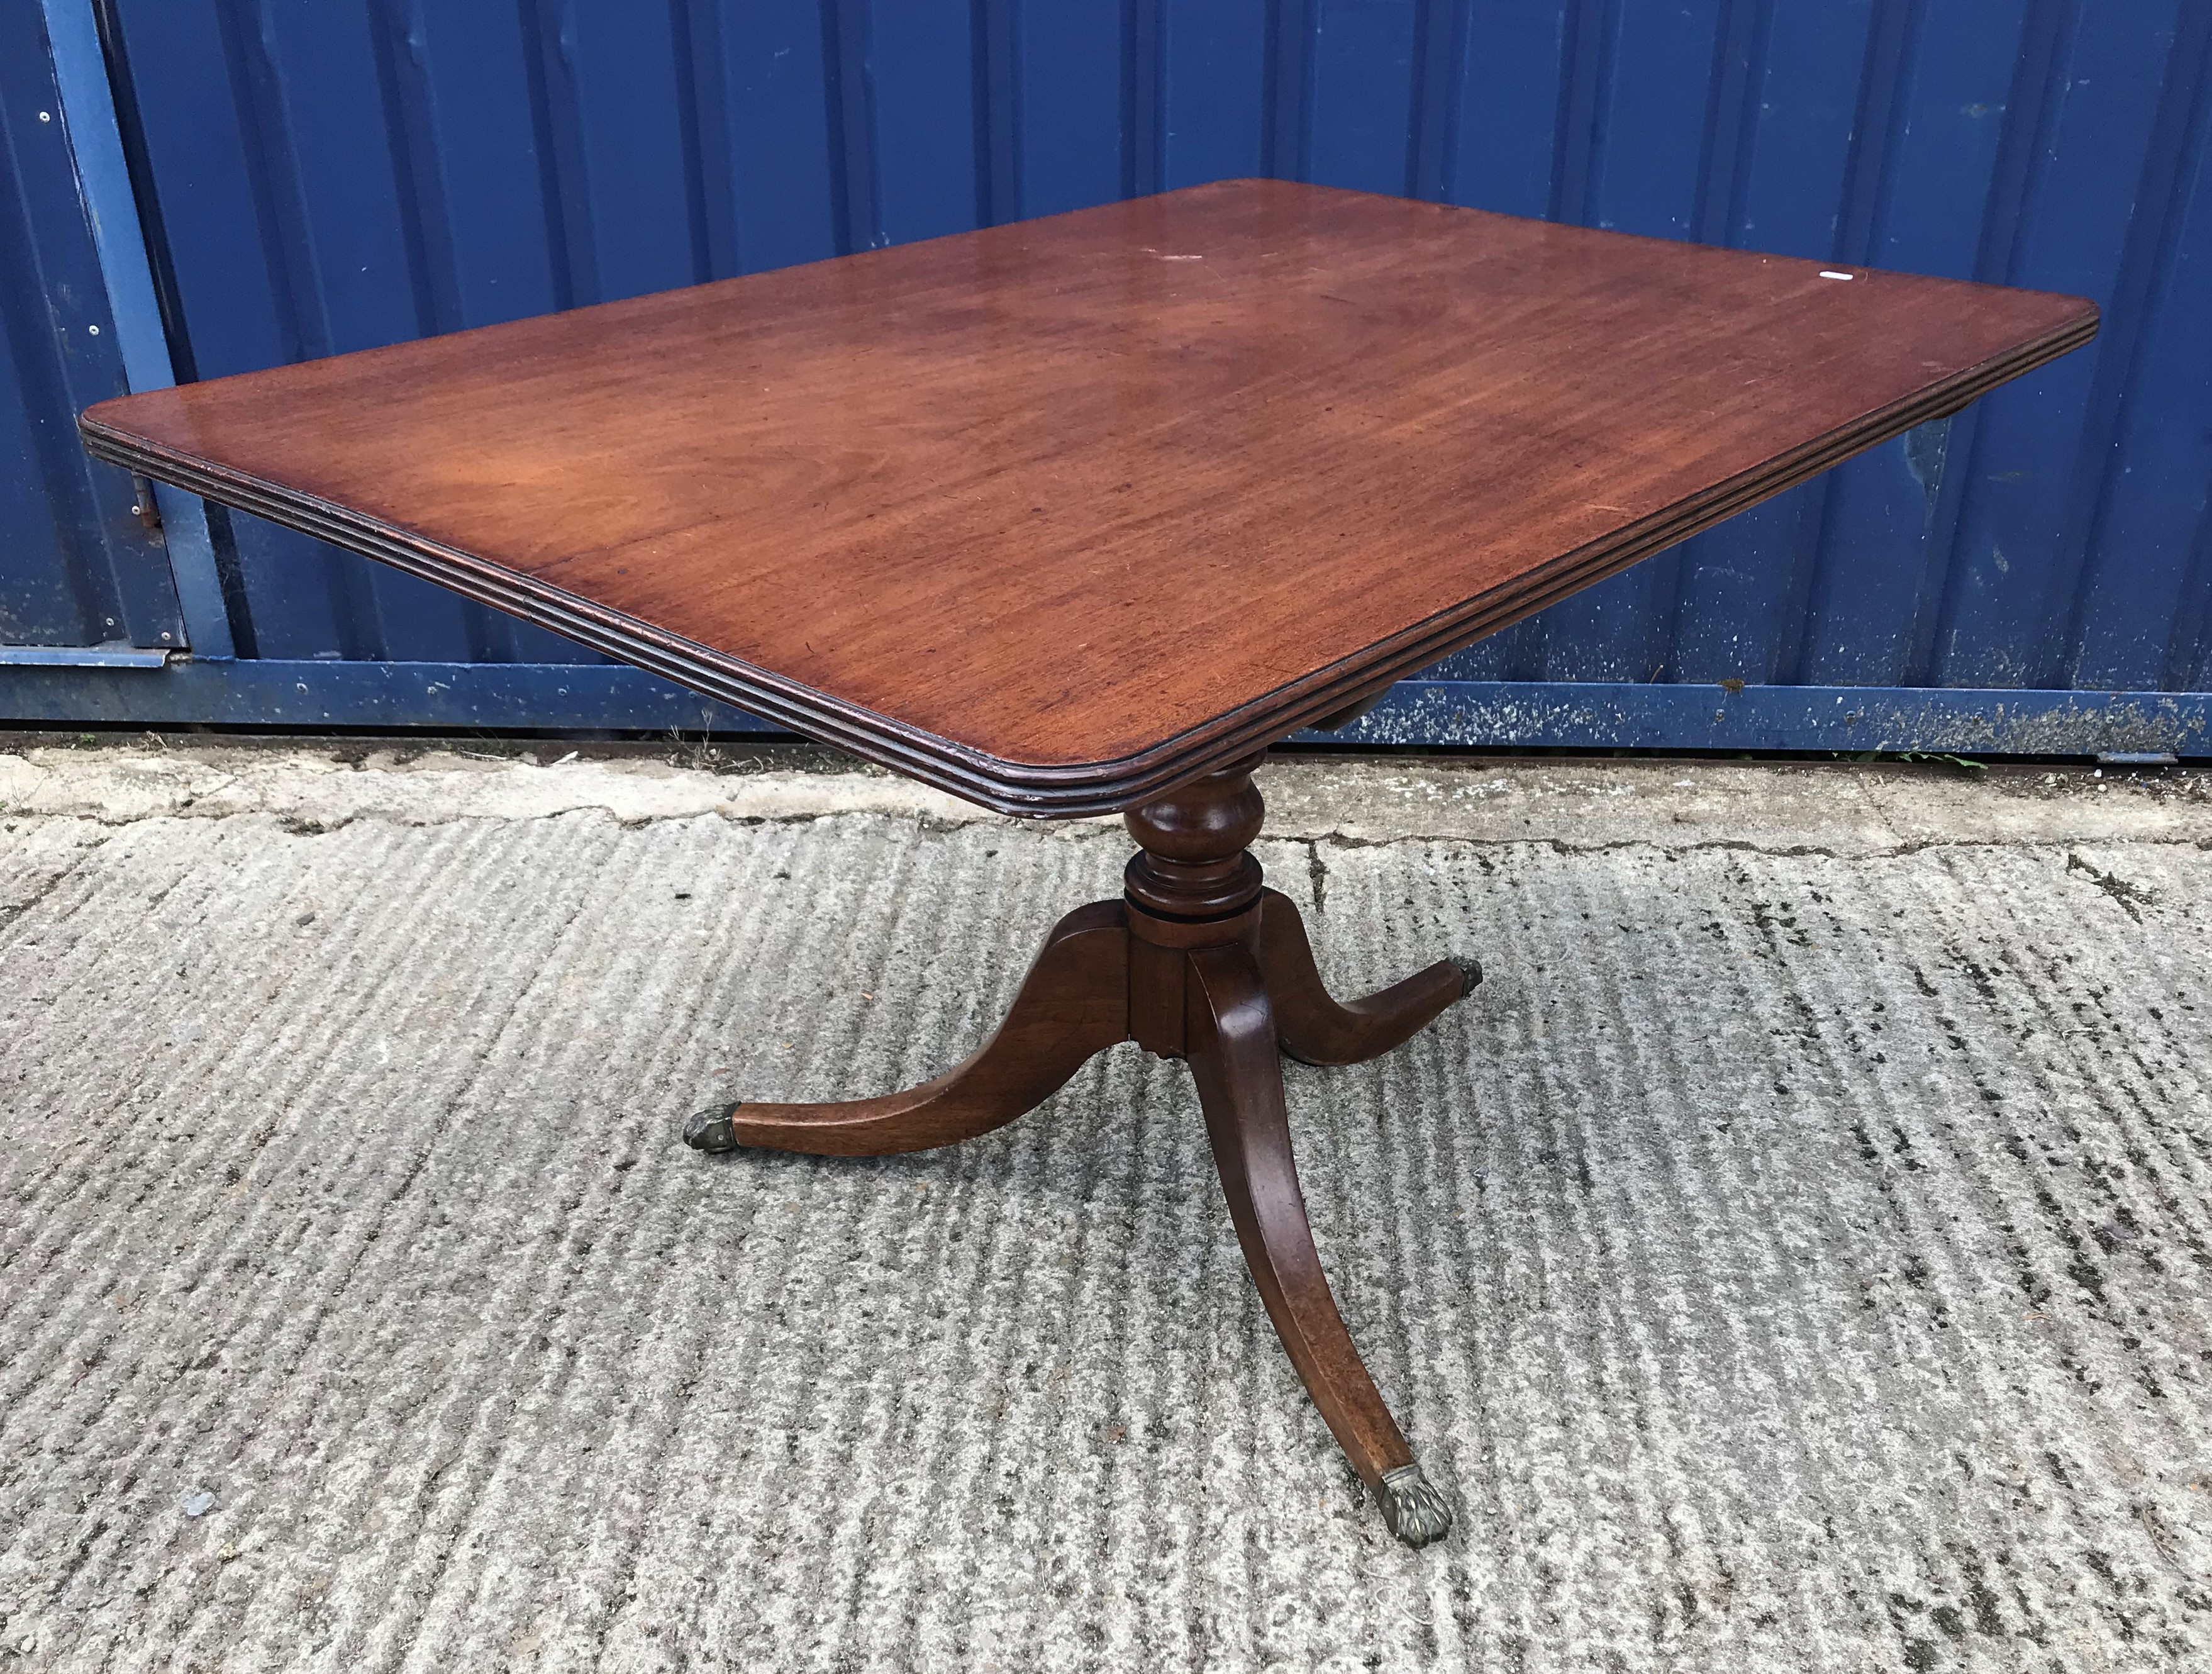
(1796, 1255)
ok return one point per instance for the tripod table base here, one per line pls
(1199, 962)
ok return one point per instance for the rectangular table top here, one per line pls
(1060, 513)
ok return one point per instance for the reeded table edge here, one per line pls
(1069, 790)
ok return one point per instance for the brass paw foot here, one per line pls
(1416, 1513)
(710, 1130)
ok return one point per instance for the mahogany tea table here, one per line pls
(1079, 515)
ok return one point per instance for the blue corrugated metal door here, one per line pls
(2035, 575)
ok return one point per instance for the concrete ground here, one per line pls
(1795, 1257)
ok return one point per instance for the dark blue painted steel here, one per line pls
(330, 177)
(770, 153)
(1602, 716)
(274, 692)
(77, 567)
(1213, 91)
(2041, 451)
(926, 113)
(1593, 714)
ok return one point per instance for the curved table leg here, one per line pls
(1316, 1028)
(1232, 1035)
(1073, 1004)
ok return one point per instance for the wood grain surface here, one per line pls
(1060, 513)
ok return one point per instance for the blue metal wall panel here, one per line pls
(331, 174)
(2041, 448)
(1212, 88)
(771, 174)
(77, 567)
(2140, 619)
